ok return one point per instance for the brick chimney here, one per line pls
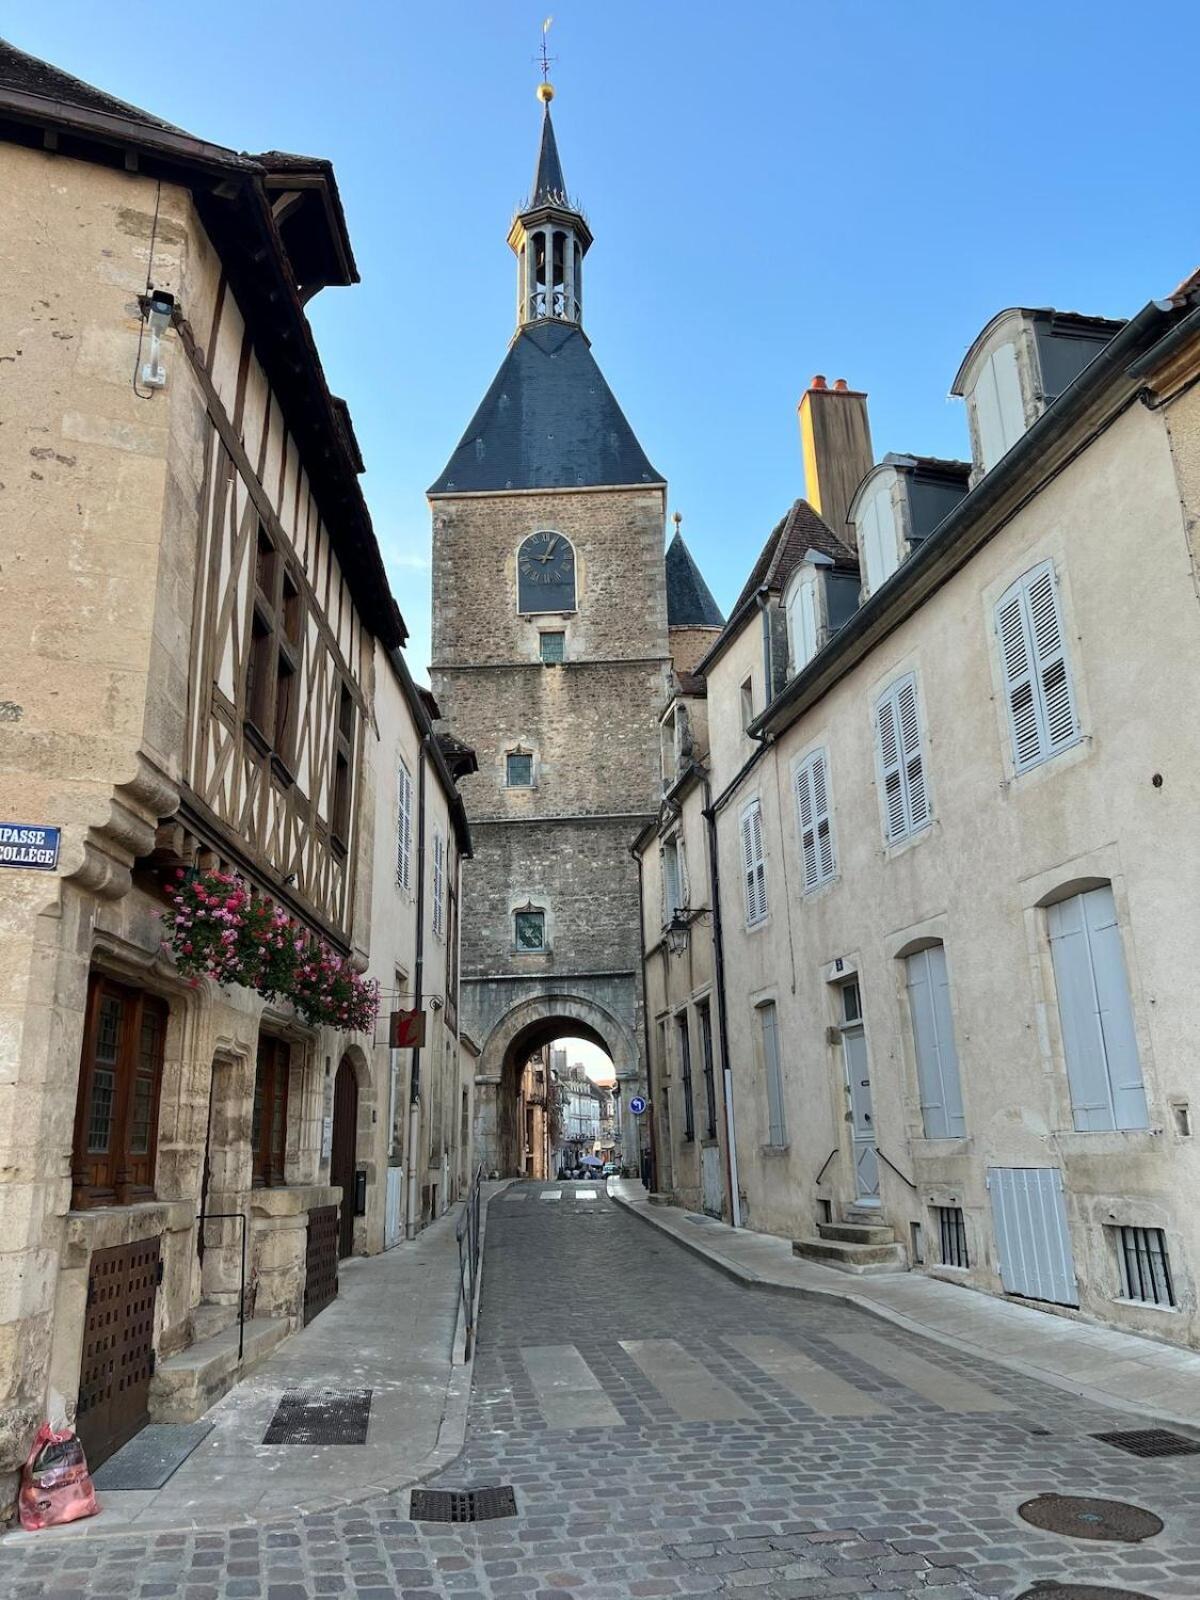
(835, 437)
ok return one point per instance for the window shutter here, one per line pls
(813, 822)
(821, 819)
(776, 1122)
(748, 867)
(685, 888)
(808, 832)
(439, 874)
(1037, 679)
(1024, 708)
(753, 864)
(1114, 1010)
(1049, 647)
(914, 761)
(760, 864)
(403, 828)
(933, 1038)
(889, 769)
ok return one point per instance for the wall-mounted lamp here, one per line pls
(679, 931)
(158, 307)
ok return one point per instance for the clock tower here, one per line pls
(550, 658)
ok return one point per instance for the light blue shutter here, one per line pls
(776, 1125)
(403, 828)
(1033, 1241)
(906, 807)
(1053, 676)
(890, 774)
(1103, 1070)
(933, 1036)
(753, 866)
(760, 859)
(916, 797)
(808, 832)
(812, 816)
(1037, 678)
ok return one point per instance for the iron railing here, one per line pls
(466, 1231)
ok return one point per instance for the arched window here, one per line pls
(803, 624)
(546, 573)
(878, 538)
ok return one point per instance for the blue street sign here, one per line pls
(637, 1105)
(26, 845)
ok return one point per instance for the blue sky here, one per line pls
(843, 186)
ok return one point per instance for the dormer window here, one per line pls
(876, 531)
(998, 406)
(802, 607)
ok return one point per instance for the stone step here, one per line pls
(212, 1317)
(848, 1257)
(857, 1232)
(185, 1385)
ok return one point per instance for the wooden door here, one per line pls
(342, 1163)
(118, 1347)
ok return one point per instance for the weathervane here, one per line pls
(545, 88)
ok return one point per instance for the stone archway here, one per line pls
(533, 1023)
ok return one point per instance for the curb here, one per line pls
(885, 1313)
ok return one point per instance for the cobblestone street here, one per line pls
(668, 1432)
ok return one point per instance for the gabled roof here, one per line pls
(689, 600)
(548, 421)
(28, 75)
(790, 540)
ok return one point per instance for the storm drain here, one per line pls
(321, 1416)
(1082, 1517)
(1050, 1590)
(1150, 1442)
(462, 1505)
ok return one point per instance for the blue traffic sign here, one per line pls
(27, 845)
(638, 1104)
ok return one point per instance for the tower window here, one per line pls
(518, 770)
(529, 929)
(553, 648)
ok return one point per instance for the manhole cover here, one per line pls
(1082, 1517)
(1050, 1590)
(1150, 1442)
(462, 1505)
(321, 1416)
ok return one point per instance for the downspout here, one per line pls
(763, 598)
(633, 851)
(414, 1091)
(731, 1165)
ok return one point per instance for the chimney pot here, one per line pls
(818, 382)
(841, 385)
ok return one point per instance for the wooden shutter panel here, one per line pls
(914, 760)
(760, 862)
(1024, 704)
(776, 1123)
(1083, 1044)
(1114, 1010)
(821, 819)
(748, 885)
(404, 828)
(1054, 679)
(807, 824)
(889, 769)
(685, 888)
(933, 1037)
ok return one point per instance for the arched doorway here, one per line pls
(343, 1160)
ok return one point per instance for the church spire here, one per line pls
(549, 237)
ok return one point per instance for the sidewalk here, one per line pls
(394, 1329)
(1157, 1381)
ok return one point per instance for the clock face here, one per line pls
(546, 573)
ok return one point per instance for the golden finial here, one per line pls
(677, 518)
(545, 89)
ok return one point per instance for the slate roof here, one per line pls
(689, 600)
(29, 75)
(800, 531)
(549, 185)
(548, 421)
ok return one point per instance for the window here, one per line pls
(675, 878)
(813, 820)
(439, 882)
(343, 751)
(905, 799)
(851, 1002)
(268, 1126)
(1037, 680)
(272, 666)
(553, 647)
(710, 1084)
(404, 800)
(802, 624)
(685, 1076)
(518, 770)
(545, 574)
(747, 693)
(952, 1236)
(933, 1040)
(1145, 1269)
(529, 929)
(773, 1074)
(754, 866)
(120, 1080)
(878, 543)
(999, 407)
(1094, 1009)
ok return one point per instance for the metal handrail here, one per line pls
(466, 1231)
(232, 1216)
(894, 1168)
(825, 1163)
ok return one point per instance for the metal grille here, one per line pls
(952, 1234)
(1145, 1269)
(321, 1416)
(320, 1261)
(118, 1346)
(1150, 1442)
(462, 1505)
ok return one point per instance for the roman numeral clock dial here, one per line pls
(546, 572)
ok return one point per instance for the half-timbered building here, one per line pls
(193, 622)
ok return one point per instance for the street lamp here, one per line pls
(678, 933)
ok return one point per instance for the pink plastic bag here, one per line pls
(56, 1486)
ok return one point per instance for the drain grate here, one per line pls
(1083, 1517)
(1050, 1589)
(1150, 1442)
(462, 1505)
(321, 1416)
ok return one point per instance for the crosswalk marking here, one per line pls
(550, 1194)
(569, 1394)
(939, 1384)
(804, 1378)
(687, 1386)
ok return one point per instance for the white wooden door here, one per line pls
(1033, 1242)
(862, 1119)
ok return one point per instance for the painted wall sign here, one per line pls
(24, 844)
